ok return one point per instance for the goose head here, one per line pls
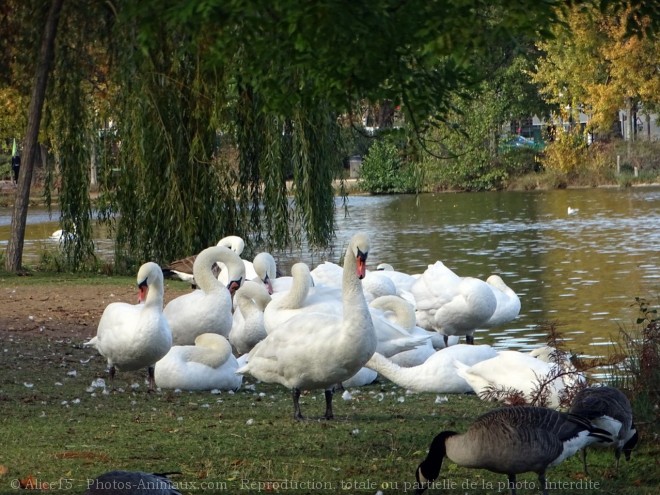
(631, 443)
(429, 469)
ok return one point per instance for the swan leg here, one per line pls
(512, 484)
(297, 414)
(113, 372)
(152, 379)
(469, 339)
(328, 404)
(446, 339)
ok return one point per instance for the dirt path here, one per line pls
(61, 311)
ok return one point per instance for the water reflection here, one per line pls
(582, 271)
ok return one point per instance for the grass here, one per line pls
(58, 432)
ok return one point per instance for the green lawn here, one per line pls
(59, 432)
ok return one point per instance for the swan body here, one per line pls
(362, 378)
(248, 324)
(402, 313)
(609, 409)
(507, 303)
(515, 371)
(318, 350)
(450, 304)
(207, 365)
(209, 308)
(374, 284)
(285, 305)
(437, 374)
(131, 336)
(511, 441)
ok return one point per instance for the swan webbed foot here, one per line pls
(328, 404)
(297, 414)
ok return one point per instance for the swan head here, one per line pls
(360, 249)
(234, 285)
(233, 242)
(266, 268)
(147, 275)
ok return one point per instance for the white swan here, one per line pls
(362, 378)
(572, 211)
(450, 304)
(399, 338)
(314, 350)
(262, 268)
(207, 365)
(437, 374)
(209, 308)
(508, 303)
(131, 336)
(248, 325)
(517, 372)
(182, 269)
(285, 305)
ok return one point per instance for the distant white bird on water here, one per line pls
(572, 211)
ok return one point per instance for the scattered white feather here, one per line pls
(58, 384)
(73, 373)
(401, 399)
(249, 422)
(28, 385)
(346, 395)
(355, 431)
(440, 400)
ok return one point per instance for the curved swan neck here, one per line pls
(300, 285)
(404, 377)
(203, 272)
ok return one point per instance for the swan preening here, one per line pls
(609, 409)
(207, 365)
(319, 350)
(133, 337)
(514, 372)
(511, 441)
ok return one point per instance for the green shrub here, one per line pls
(383, 171)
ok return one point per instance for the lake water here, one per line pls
(582, 271)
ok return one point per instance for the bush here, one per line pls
(639, 370)
(384, 172)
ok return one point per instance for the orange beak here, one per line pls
(361, 265)
(142, 292)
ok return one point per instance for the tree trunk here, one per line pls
(14, 257)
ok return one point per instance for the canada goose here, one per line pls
(511, 440)
(609, 409)
(131, 483)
